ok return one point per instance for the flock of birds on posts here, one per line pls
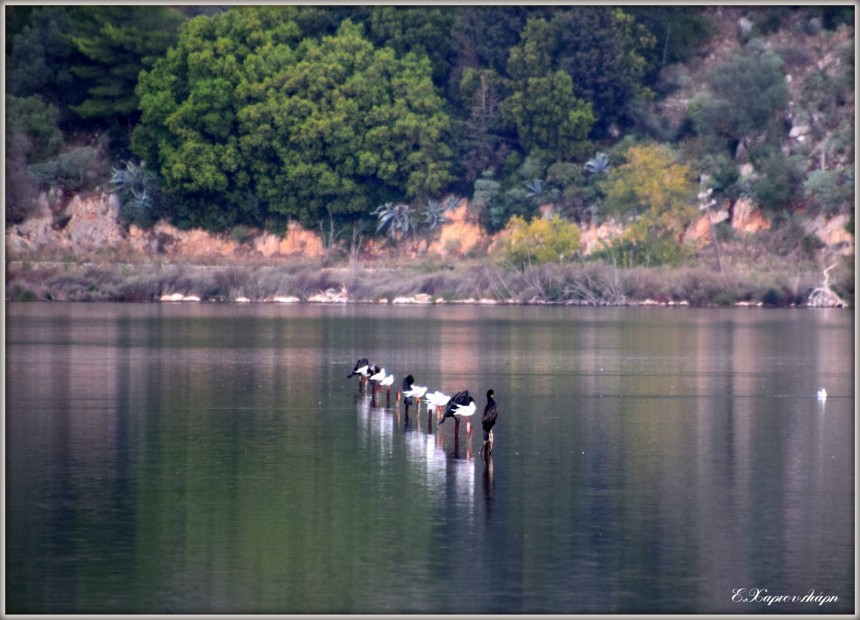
(460, 405)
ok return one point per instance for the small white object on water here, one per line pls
(822, 394)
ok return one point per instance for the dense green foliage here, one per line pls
(244, 111)
(745, 102)
(249, 116)
(41, 58)
(36, 121)
(117, 42)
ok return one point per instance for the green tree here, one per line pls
(424, 31)
(36, 120)
(830, 190)
(245, 107)
(747, 97)
(195, 102)
(482, 37)
(481, 146)
(118, 42)
(485, 193)
(41, 58)
(599, 49)
(550, 120)
(677, 32)
(603, 50)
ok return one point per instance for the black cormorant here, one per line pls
(488, 420)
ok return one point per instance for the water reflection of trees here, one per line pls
(196, 463)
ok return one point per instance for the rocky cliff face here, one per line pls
(88, 227)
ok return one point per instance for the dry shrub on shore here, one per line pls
(590, 283)
(578, 284)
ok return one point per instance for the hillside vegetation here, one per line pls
(553, 153)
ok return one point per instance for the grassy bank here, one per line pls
(590, 283)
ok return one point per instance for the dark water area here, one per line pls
(197, 458)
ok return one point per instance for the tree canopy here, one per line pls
(747, 93)
(247, 112)
(115, 44)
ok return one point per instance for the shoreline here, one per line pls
(587, 285)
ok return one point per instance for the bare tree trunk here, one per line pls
(704, 205)
(823, 296)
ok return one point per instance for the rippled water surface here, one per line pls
(213, 459)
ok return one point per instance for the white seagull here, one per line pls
(437, 399)
(822, 394)
(417, 391)
(378, 376)
(387, 381)
(465, 410)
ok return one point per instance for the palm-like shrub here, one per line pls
(137, 190)
(434, 213)
(535, 188)
(599, 164)
(395, 218)
(133, 183)
(540, 191)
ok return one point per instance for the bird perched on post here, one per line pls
(466, 411)
(460, 398)
(436, 400)
(488, 420)
(408, 380)
(360, 369)
(387, 381)
(376, 378)
(417, 391)
(372, 370)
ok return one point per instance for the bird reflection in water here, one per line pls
(438, 464)
(457, 455)
(489, 486)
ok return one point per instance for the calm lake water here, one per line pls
(213, 459)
